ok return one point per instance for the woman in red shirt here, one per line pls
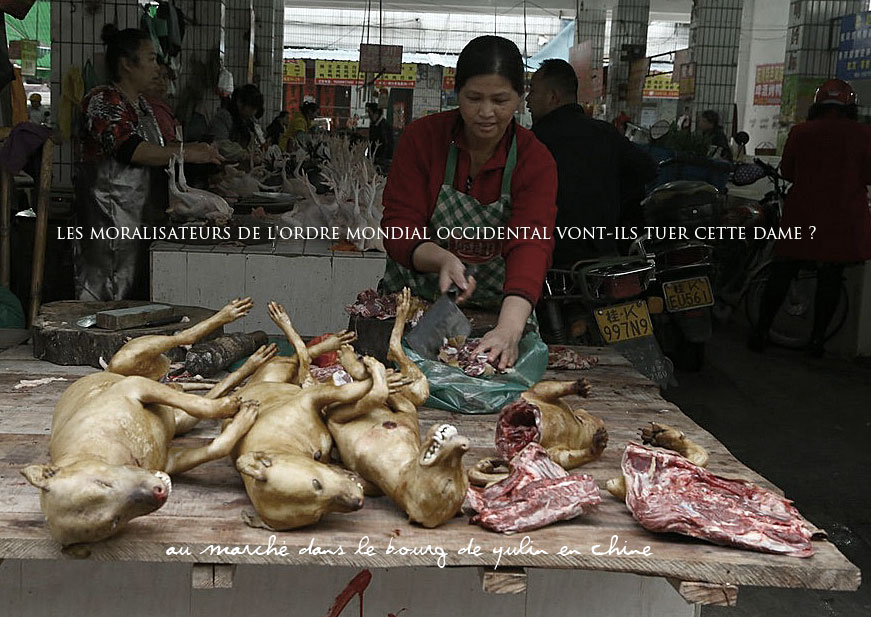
(828, 159)
(472, 187)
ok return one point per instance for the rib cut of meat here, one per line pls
(519, 424)
(536, 493)
(667, 493)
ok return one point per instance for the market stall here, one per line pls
(198, 538)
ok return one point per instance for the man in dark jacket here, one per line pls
(380, 136)
(597, 166)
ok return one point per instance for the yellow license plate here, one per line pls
(624, 322)
(687, 294)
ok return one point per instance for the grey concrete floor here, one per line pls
(805, 424)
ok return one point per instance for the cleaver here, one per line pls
(443, 320)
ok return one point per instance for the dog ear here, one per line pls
(39, 475)
(254, 465)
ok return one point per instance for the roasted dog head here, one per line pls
(90, 501)
(290, 490)
(436, 483)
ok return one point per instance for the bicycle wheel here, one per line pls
(795, 319)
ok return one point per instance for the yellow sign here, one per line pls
(448, 82)
(624, 322)
(345, 73)
(661, 87)
(294, 71)
(687, 294)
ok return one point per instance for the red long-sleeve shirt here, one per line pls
(415, 180)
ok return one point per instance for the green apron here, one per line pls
(455, 209)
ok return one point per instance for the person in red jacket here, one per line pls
(472, 187)
(828, 159)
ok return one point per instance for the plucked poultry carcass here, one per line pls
(188, 204)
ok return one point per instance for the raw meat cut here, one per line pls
(459, 352)
(559, 357)
(190, 204)
(667, 493)
(536, 493)
(371, 304)
(519, 423)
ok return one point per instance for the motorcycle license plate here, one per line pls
(687, 294)
(624, 322)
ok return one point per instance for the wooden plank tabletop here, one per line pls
(202, 520)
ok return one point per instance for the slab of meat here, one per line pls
(536, 493)
(667, 493)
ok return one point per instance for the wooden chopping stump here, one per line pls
(373, 335)
(57, 338)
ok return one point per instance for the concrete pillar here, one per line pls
(591, 27)
(715, 30)
(629, 22)
(264, 57)
(809, 59)
(239, 44)
(278, 57)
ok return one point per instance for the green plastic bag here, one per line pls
(451, 389)
(11, 313)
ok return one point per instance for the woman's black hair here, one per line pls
(121, 44)
(374, 108)
(491, 55)
(309, 107)
(712, 116)
(248, 95)
(818, 110)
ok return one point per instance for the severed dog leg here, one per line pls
(182, 459)
(664, 436)
(143, 356)
(551, 391)
(147, 391)
(282, 320)
(418, 390)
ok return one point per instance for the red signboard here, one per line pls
(769, 84)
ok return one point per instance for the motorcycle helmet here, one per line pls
(836, 92)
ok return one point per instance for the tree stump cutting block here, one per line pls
(57, 338)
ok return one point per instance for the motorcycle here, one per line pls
(601, 302)
(683, 265)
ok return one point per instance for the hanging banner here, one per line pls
(854, 47)
(448, 82)
(345, 73)
(661, 87)
(769, 84)
(294, 72)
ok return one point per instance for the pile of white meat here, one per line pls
(353, 204)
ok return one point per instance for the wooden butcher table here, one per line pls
(182, 559)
